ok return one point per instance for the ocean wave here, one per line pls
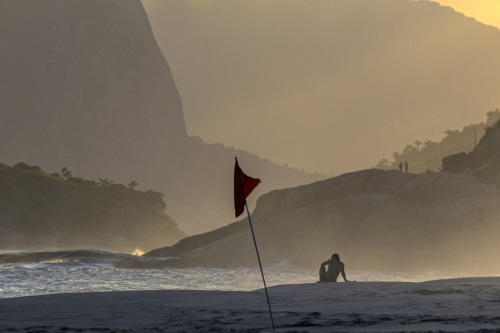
(84, 256)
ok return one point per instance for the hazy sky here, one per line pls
(486, 11)
(298, 83)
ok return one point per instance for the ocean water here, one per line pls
(28, 273)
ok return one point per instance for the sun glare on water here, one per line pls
(137, 252)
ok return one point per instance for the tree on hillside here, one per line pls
(66, 173)
(427, 156)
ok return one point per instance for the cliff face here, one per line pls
(85, 86)
(83, 81)
(375, 219)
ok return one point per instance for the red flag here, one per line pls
(243, 186)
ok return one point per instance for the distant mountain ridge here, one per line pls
(85, 86)
(343, 82)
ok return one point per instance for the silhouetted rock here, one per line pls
(42, 211)
(453, 162)
(483, 162)
(375, 219)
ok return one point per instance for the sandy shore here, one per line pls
(457, 305)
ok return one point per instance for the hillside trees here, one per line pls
(42, 210)
(427, 156)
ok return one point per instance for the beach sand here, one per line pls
(455, 305)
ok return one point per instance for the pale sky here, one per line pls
(485, 11)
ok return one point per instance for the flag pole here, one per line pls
(260, 265)
(256, 250)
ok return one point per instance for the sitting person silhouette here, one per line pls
(335, 267)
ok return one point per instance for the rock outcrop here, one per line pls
(483, 161)
(84, 85)
(375, 219)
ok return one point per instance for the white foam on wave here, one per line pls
(46, 272)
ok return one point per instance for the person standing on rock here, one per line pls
(335, 267)
(401, 166)
(406, 166)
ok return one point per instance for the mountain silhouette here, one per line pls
(353, 78)
(85, 86)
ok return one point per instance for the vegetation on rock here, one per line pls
(426, 157)
(40, 210)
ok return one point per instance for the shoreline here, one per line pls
(453, 305)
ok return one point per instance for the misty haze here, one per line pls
(330, 88)
(326, 86)
(363, 130)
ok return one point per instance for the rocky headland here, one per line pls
(58, 211)
(376, 219)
